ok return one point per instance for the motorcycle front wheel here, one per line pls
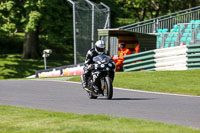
(108, 88)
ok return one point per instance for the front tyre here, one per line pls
(108, 88)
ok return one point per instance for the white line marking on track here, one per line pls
(123, 89)
(158, 93)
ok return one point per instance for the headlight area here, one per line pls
(109, 64)
(107, 68)
(102, 65)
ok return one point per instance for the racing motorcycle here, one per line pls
(101, 78)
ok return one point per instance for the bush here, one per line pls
(11, 44)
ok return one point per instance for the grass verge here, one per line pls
(23, 120)
(179, 82)
(12, 66)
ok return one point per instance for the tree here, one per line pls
(7, 16)
(51, 19)
(33, 18)
(140, 10)
(22, 16)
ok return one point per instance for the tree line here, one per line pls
(52, 19)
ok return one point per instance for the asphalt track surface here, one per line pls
(70, 97)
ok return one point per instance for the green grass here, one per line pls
(179, 82)
(11, 47)
(12, 66)
(24, 120)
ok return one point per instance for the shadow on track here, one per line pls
(124, 99)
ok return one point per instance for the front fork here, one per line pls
(95, 78)
(99, 81)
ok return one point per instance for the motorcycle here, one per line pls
(101, 78)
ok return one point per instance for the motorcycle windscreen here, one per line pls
(101, 58)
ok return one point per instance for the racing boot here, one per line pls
(84, 83)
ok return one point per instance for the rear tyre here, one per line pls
(108, 88)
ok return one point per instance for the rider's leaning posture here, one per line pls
(88, 66)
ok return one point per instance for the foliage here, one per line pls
(15, 119)
(6, 16)
(33, 21)
(57, 24)
(140, 10)
(11, 44)
(52, 19)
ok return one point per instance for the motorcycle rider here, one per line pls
(88, 66)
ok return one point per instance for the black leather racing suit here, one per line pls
(88, 63)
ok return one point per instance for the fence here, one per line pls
(87, 18)
(174, 58)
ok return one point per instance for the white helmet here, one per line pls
(100, 47)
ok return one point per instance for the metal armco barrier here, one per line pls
(174, 58)
(139, 57)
